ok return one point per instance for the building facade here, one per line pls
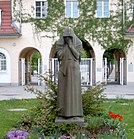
(19, 40)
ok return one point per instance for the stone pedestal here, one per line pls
(76, 120)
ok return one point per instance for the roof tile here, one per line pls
(7, 28)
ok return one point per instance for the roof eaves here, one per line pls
(10, 35)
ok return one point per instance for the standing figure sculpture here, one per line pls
(69, 48)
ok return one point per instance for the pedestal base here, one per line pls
(77, 120)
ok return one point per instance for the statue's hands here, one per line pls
(68, 41)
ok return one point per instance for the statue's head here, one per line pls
(68, 36)
(68, 32)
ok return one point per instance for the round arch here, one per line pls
(86, 46)
(28, 71)
(115, 61)
(89, 49)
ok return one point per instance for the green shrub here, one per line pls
(43, 115)
(92, 100)
(42, 118)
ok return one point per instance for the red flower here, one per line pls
(120, 118)
(112, 115)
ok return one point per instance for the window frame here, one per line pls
(41, 12)
(3, 62)
(102, 11)
(72, 10)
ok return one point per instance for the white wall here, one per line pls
(130, 63)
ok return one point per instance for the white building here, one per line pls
(19, 40)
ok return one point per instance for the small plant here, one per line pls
(93, 122)
(17, 134)
(116, 128)
(105, 126)
(45, 113)
(92, 100)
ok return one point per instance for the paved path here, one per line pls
(111, 91)
(16, 92)
(119, 91)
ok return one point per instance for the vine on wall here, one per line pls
(108, 32)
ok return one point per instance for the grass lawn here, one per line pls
(9, 118)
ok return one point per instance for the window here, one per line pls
(2, 62)
(0, 16)
(71, 9)
(41, 9)
(102, 8)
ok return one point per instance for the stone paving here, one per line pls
(119, 91)
(111, 91)
(16, 92)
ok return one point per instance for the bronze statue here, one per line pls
(69, 48)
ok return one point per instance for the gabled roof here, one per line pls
(7, 28)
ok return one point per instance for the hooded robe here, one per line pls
(69, 78)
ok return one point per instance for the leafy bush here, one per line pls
(44, 114)
(92, 100)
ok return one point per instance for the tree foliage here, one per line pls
(34, 58)
(108, 32)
